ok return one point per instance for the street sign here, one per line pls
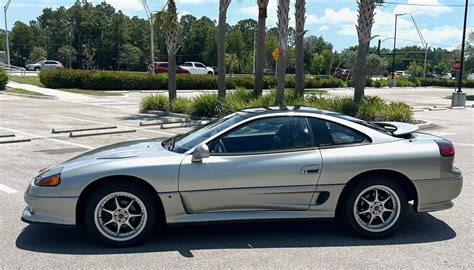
(276, 54)
(457, 65)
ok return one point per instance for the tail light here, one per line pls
(446, 148)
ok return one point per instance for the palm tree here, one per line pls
(283, 22)
(300, 10)
(260, 54)
(365, 21)
(223, 5)
(170, 26)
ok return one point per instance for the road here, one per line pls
(434, 240)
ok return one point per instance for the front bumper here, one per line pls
(437, 194)
(53, 210)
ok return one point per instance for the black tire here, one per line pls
(355, 220)
(145, 198)
(37, 69)
(210, 73)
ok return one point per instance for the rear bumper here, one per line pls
(437, 194)
(51, 210)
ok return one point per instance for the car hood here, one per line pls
(119, 151)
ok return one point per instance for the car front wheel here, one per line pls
(120, 214)
(375, 208)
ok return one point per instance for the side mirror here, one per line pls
(201, 151)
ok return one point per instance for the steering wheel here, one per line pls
(220, 147)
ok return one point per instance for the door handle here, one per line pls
(310, 169)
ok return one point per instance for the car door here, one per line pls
(200, 68)
(266, 164)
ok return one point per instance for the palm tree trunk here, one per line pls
(223, 5)
(172, 77)
(365, 21)
(283, 22)
(260, 54)
(300, 10)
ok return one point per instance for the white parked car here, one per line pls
(402, 73)
(470, 77)
(197, 68)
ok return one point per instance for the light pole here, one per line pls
(152, 35)
(5, 8)
(395, 44)
(463, 46)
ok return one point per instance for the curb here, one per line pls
(425, 125)
(29, 96)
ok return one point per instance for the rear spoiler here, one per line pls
(397, 128)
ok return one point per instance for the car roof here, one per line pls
(280, 109)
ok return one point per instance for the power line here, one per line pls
(426, 5)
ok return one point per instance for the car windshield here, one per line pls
(183, 142)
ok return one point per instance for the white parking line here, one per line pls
(46, 138)
(104, 123)
(7, 189)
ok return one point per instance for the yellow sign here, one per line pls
(276, 54)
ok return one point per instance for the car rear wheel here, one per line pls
(375, 208)
(37, 69)
(210, 73)
(120, 214)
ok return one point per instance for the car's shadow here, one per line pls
(419, 228)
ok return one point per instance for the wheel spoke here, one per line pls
(371, 219)
(129, 225)
(117, 203)
(386, 199)
(118, 227)
(134, 215)
(376, 195)
(130, 204)
(365, 200)
(110, 221)
(108, 211)
(381, 217)
(388, 210)
(364, 212)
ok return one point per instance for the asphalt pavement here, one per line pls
(431, 240)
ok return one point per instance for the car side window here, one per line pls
(199, 65)
(270, 134)
(327, 133)
(187, 64)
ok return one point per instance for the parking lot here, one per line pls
(439, 239)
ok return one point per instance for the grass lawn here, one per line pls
(33, 80)
(90, 92)
(468, 97)
(24, 92)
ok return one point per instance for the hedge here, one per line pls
(119, 80)
(3, 79)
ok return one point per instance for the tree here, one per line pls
(260, 54)
(223, 6)
(231, 62)
(376, 65)
(328, 59)
(365, 21)
(170, 26)
(415, 69)
(300, 16)
(131, 57)
(67, 55)
(313, 44)
(37, 54)
(21, 39)
(283, 29)
(317, 63)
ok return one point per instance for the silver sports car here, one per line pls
(255, 164)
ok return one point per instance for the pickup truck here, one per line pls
(197, 68)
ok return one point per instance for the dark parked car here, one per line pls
(162, 67)
(342, 73)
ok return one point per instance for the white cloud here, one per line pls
(433, 8)
(311, 19)
(343, 16)
(126, 4)
(323, 28)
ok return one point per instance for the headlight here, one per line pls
(49, 178)
(49, 181)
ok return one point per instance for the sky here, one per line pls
(440, 21)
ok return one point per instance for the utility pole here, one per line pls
(378, 48)
(5, 8)
(463, 46)
(152, 35)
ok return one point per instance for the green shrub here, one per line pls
(380, 83)
(397, 111)
(206, 105)
(3, 79)
(181, 105)
(370, 108)
(155, 103)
